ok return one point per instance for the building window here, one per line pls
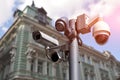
(86, 76)
(48, 68)
(102, 76)
(83, 58)
(107, 77)
(86, 73)
(40, 67)
(58, 70)
(64, 74)
(103, 65)
(91, 77)
(89, 62)
(41, 18)
(32, 65)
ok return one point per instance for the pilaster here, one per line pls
(97, 72)
(45, 68)
(36, 62)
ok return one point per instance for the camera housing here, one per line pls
(44, 39)
(61, 24)
(101, 32)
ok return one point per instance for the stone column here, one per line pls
(67, 74)
(61, 70)
(97, 72)
(29, 53)
(45, 68)
(81, 71)
(13, 53)
(53, 70)
(89, 76)
(29, 59)
(108, 69)
(36, 62)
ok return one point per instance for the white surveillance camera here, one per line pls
(101, 32)
(44, 39)
(61, 24)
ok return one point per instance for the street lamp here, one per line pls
(72, 28)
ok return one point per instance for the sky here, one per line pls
(109, 9)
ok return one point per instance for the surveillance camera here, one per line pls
(101, 32)
(58, 53)
(44, 39)
(54, 55)
(61, 24)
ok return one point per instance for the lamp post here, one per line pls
(72, 28)
(73, 55)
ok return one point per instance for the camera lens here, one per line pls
(36, 35)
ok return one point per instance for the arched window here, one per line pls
(86, 73)
(89, 61)
(92, 75)
(32, 65)
(40, 67)
(86, 76)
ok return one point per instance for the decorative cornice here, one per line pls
(93, 52)
(13, 26)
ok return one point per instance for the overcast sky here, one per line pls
(109, 9)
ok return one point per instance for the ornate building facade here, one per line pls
(21, 58)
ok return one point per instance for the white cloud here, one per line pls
(104, 7)
(59, 8)
(24, 3)
(6, 7)
(4, 29)
(72, 8)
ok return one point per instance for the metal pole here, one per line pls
(73, 56)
